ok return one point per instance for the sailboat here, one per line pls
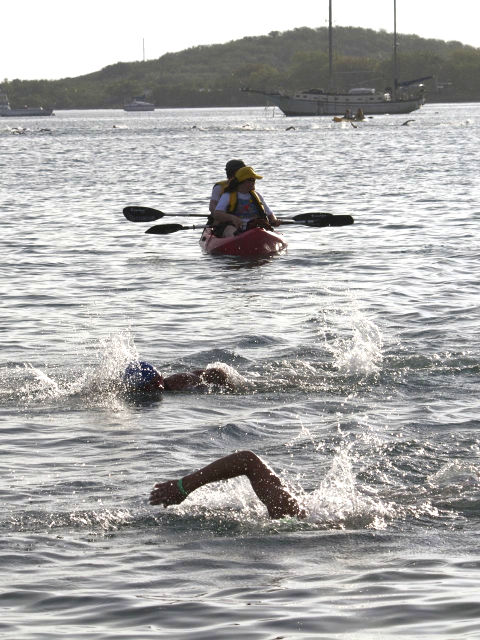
(6, 110)
(405, 97)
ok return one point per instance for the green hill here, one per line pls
(213, 75)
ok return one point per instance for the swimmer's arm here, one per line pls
(181, 381)
(266, 484)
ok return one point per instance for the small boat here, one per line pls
(139, 104)
(255, 243)
(7, 112)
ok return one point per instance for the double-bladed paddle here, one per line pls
(147, 214)
(308, 219)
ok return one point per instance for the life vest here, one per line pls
(232, 205)
(222, 183)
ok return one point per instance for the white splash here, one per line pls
(340, 503)
(360, 354)
(235, 379)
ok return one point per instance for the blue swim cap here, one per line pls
(140, 374)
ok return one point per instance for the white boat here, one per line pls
(139, 104)
(405, 97)
(7, 112)
(316, 102)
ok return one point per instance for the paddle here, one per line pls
(147, 214)
(164, 229)
(316, 219)
(320, 220)
(308, 219)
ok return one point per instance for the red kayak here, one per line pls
(255, 242)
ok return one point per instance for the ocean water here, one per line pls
(356, 357)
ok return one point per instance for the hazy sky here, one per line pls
(58, 38)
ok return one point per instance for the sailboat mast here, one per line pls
(395, 64)
(330, 46)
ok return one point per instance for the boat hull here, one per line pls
(252, 243)
(27, 111)
(329, 105)
(137, 108)
(139, 105)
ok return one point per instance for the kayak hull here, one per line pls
(252, 243)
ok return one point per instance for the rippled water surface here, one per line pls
(356, 356)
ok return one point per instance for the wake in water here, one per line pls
(98, 384)
(346, 354)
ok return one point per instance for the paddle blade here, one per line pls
(323, 219)
(330, 221)
(341, 221)
(165, 229)
(142, 214)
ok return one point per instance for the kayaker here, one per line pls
(142, 377)
(219, 187)
(359, 115)
(240, 205)
(266, 484)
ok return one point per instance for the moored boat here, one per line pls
(316, 102)
(255, 242)
(6, 110)
(139, 104)
(404, 97)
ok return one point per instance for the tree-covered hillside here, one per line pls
(298, 59)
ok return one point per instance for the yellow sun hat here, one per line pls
(245, 173)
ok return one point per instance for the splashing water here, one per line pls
(339, 502)
(361, 354)
(30, 384)
(236, 380)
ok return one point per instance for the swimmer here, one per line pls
(145, 378)
(266, 484)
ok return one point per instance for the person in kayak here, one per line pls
(265, 483)
(219, 187)
(241, 207)
(142, 377)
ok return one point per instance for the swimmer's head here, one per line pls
(142, 376)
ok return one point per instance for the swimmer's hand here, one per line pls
(166, 493)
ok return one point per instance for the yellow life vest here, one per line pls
(222, 183)
(256, 200)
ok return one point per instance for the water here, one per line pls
(357, 356)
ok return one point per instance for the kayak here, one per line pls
(255, 242)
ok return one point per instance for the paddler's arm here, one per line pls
(222, 216)
(274, 221)
(266, 484)
(212, 205)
